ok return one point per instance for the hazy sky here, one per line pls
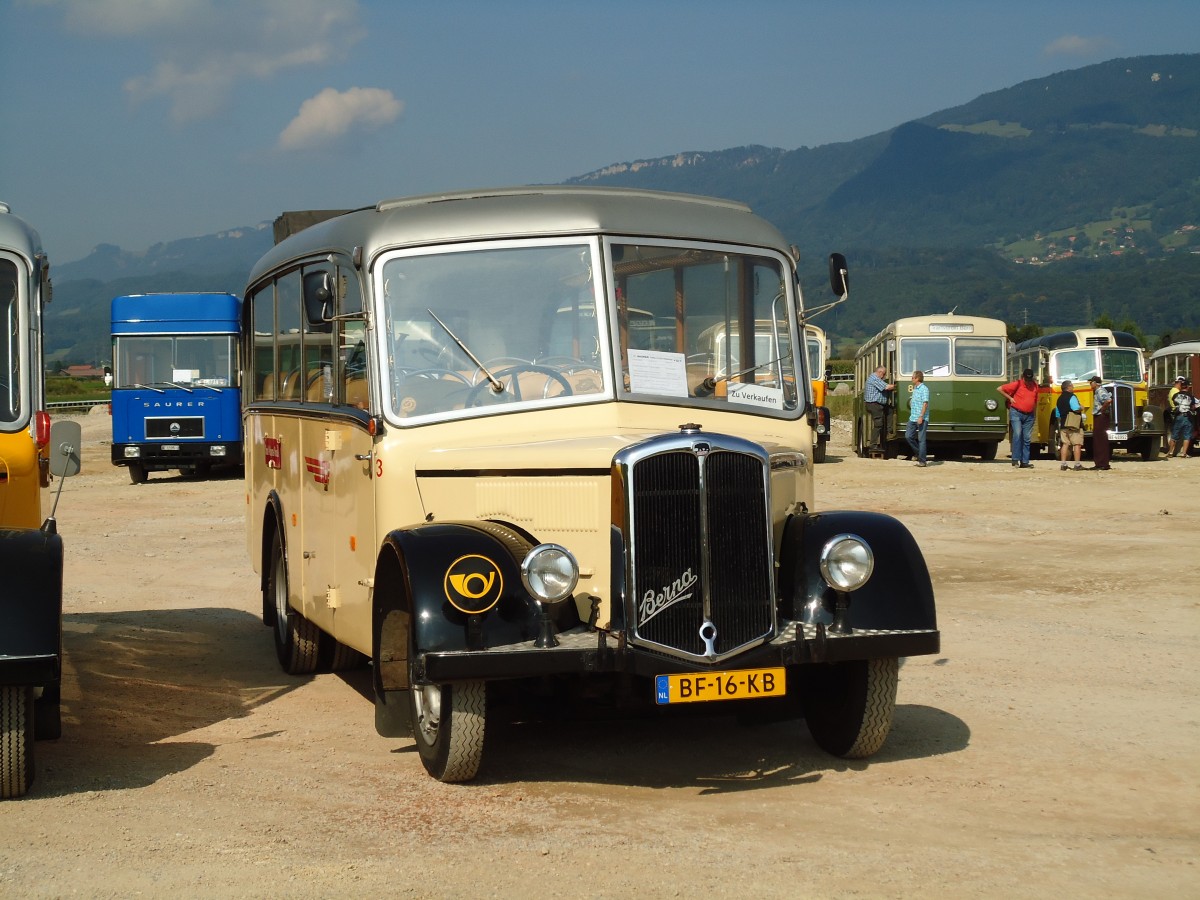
(136, 121)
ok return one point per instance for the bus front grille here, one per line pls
(168, 428)
(701, 563)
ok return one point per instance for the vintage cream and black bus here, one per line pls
(1178, 360)
(31, 551)
(1118, 358)
(962, 358)
(493, 448)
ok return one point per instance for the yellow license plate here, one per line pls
(702, 687)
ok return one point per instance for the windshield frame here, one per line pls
(14, 416)
(789, 317)
(384, 322)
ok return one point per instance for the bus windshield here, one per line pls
(204, 360)
(1110, 363)
(10, 361)
(470, 328)
(814, 348)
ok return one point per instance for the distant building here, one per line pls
(82, 372)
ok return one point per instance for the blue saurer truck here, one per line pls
(176, 403)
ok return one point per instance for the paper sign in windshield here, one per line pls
(755, 395)
(655, 372)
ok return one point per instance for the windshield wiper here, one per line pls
(710, 383)
(497, 384)
(149, 387)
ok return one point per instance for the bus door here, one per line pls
(339, 468)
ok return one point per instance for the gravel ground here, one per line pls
(1052, 749)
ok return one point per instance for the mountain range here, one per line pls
(1052, 202)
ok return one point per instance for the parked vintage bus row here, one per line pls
(965, 359)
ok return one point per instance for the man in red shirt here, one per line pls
(1021, 396)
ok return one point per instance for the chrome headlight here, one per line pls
(1147, 416)
(133, 452)
(549, 572)
(216, 450)
(990, 404)
(846, 562)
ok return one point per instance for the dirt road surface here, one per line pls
(1052, 749)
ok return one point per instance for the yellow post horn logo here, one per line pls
(473, 584)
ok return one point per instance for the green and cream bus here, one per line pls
(962, 358)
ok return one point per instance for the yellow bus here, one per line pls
(962, 358)
(816, 350)
(31, 554)
(555, 442)
(1119, 359)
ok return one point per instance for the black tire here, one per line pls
(848, 706)
(988, 450)
(1148, 449)
(448, 726)
(860, 446)
(297, 640)
(819, 451)
(138, 473)
(341, 658)
(16, 740)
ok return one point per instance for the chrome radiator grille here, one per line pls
(700, 530)
(1124, 408)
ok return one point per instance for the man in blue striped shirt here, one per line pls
(918, 417)
(875, 396)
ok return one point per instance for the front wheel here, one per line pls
(138, 473)
(448, 724)
(849, 705)
(297, 640)
(819, 451)
(16, 740)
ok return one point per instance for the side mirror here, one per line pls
(65, 448)
(318, 300)
(839, 274)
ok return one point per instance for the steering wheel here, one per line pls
(432, 374)
(492, 365)
(513, 388)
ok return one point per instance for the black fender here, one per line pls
(31, 607)
(897, 596)
(414, 591)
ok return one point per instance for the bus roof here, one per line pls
(1081, 337)
(18, 236)
(525, 212)
(947, 325)
(176, 313)
(1190, 347)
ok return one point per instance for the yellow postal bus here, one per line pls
(529, 442)
(31, 552)
(1119, 359)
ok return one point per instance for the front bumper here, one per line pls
(581, 651)
(175, 455)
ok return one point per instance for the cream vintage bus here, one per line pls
(493, 450)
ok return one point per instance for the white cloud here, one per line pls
(331, 115)
(1077, 45)
(203, 49)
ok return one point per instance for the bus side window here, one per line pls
(319, 336)
(263, 382)
(352, 350)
